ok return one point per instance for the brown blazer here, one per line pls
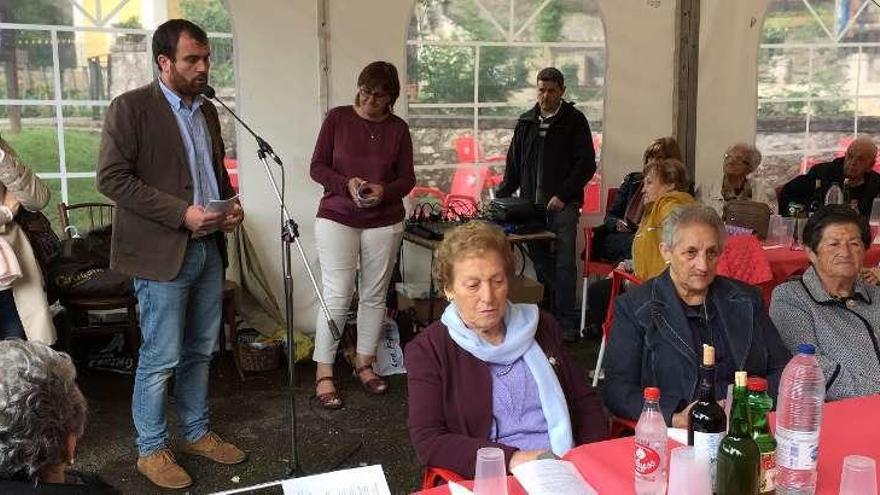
(143, 168)
(450, 398)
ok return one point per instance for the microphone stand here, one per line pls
(289, 235)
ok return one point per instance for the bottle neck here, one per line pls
(740, 425)
(760, 424)
(652, 406)
(707, 383)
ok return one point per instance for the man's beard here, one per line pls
(186, 87)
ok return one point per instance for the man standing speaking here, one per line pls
(550, 160)
(161, 162)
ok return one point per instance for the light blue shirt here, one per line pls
(197, 141)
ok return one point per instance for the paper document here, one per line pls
(552, 477)
(369, 480)
(221, 205)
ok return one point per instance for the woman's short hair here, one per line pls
(834, 215)
(660, 148)
(669, 171)
(474, 238)
(695, 214)
(382, 76)
(40, 405)
(749, 153)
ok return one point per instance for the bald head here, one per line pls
(859, 158)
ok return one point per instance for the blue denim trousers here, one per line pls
(556, 264)
(180, 322)
(10, 323)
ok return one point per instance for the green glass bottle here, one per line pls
(759, 405)
(738, 456)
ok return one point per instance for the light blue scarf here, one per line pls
(519, 342)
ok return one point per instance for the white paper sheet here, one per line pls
(369, 480)
(552, 477)
(221, 205)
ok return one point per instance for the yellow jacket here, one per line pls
(647, 260)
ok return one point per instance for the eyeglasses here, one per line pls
(369, 93)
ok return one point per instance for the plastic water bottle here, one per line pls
(798, 417)
(834, 196)
(650, 453)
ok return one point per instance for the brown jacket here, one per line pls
(450, 398)
(143, 168)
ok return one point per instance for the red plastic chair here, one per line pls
(592, 267)
(617, 279)
(231, 165)
(435, 476)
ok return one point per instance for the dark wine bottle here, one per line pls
(739, 459)
(707, 422)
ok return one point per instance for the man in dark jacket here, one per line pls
(550, 160)
(852, 173)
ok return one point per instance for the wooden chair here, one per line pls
(435, 476)
(593, 267)
(83, 218)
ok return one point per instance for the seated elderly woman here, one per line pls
(738, 162)
(831, 308)
(660, 326)
(491, 373)
(42, 416)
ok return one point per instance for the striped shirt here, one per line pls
(197, 142)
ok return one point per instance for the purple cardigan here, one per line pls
(450, 398)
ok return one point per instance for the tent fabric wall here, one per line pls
(279, 78)
(728, 86)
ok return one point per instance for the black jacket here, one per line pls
(569, 158)
(609, 244)
(802, 188)
(650, 344)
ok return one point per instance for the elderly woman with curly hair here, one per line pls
(42, 417)
(492, 373)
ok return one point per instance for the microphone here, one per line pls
(264, 147)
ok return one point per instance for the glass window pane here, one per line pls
(51, 209)
(776, 170)
(33, 133)
(834, 71)
(82, 137)
(440, 74)
(832, 124)
(222, 65)
(27, 67)
(434, 132)
(85, 73)
(508, 74)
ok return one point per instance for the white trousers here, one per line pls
(340, 248)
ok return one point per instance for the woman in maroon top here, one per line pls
(364, 160)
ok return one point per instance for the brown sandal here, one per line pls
(374, 386)
(328, 400)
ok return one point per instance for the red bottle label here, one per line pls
(647, 459)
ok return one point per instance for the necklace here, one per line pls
(372, 131)
(505, 370)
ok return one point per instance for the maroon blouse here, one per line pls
(380, 152)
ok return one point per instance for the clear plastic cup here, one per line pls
(689, 472)
(859, 476)
(491, 472)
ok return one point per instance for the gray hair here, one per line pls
(694, 214)
(40, 405)
(752, 154)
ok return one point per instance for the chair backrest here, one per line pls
(617, 279)
(754, 215)
(84, 217)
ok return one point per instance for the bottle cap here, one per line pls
(652, 393)
(740, 378)
(757, 384)
(806, 349)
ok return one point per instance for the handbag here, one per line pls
(754, 215)
(43, 240)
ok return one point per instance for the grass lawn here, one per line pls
(38, 148)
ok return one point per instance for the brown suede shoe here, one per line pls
(215, 448)
(162, 469)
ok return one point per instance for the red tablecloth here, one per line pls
(784, 262)
(848, 427)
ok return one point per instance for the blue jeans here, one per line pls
(180, 322)
(556, 265)
(10, 323)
